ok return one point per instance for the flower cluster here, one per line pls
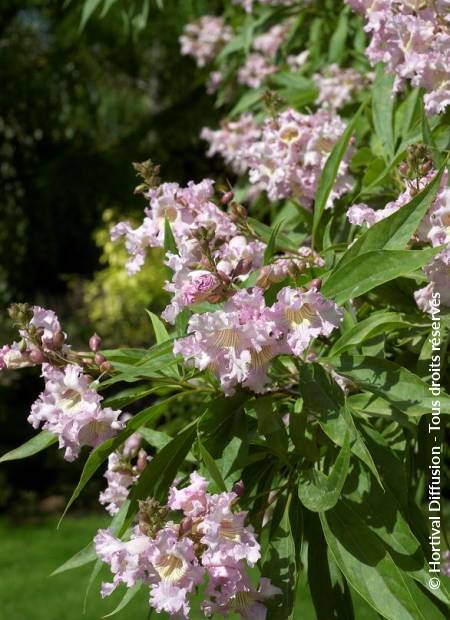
(124, 468)
(233, 141)
(204, 38)
(239, 342)
(285, 156)
(40, 333)
(338, 86)
(260, 63)
(413, 40)
(172, 558)
(70, 409)
(289, 158)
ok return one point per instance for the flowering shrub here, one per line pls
(308, 314)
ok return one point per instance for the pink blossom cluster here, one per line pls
(285, 156)
(260, 63)
(289, 158)
(187, 209)
(337, 86)
(413, 39)
(124, 468)
(70, 409)
(204, 38)
(238, 342)
(233, 140)
(43, 333)
(172, 558)
(212, 254)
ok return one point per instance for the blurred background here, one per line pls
(80, 100)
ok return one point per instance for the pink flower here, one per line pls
(338, 86)
(192, 500)
(71, 410)
(237, 343)
(128, 561)
(288, 159)
(306, 315)
(204, 38)
(177, 572)
(233, 140)
(255, 70)
(412, 39)
(224, 533)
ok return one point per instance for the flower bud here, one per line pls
(37, 357)
(237, 212)
(316, 283)
(227, 197)
(426, 167)
(99, 359)
(238, 488)
(95, 342)
(404, 168)
(141, 460)
(106, 367)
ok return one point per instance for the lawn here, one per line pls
(30, 552)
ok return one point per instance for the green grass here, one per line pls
(29, 553)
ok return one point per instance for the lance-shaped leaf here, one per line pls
(319, 492)
(382, 110)
(369, 270)
(127, 598)
(399, 386)
(330, 170)
(279, 564)
(368, 566)
(395, 231)
(378, 323)
(34, 445)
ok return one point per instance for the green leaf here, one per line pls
(319, 492)
(34, 445)
(85, 556)
(367, 271)
(129, 395)
(247, 101)
(329, 590)
(397, 385)
(382, 110)
(324, 399)
(378, 323)
(161, 333)
(370, 569)
(284, 242)
(279, 564)
(170, 245)
(211, 465)
(101, 453)
(89, 7)
(328, 176)
(127, 597)
(395, 231)
(272, 245)
(338, 39)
